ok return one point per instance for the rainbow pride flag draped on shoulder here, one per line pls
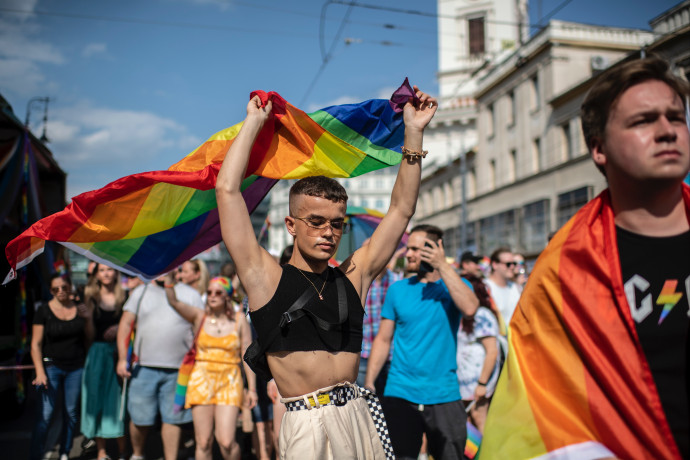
(149, 223)
(576, 384)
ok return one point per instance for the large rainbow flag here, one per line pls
(576, 384)
(149, 223)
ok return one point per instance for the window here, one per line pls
(536, 98)
(379, 205)
(471, 238)
(451, 240)
(438, 198)
(490, 119)
(497, 230)
(448, 193)
(492, 174)
(512, 161)
(570, 202)
(476, 29)
(536, 155)
(535, 225)
(363, 183)
(512, 115)
(364, 203)
(567, 141)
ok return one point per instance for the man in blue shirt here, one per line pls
(420, 318)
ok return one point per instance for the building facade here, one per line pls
(529, 170)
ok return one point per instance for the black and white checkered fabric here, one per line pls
(339, 396)
(379, 421)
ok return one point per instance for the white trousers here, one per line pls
(330, 432)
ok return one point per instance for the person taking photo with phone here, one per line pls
(420, 318)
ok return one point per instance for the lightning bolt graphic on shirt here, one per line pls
(668, 297)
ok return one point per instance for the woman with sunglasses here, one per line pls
(215, 388)
(101, 389)
(61, 334)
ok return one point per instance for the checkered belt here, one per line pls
(339, 396)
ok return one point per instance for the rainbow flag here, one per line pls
(147, 224)
(132, 357)
(181, 384)
(474, 439)
(576, 383)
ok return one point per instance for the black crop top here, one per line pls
(304, 334)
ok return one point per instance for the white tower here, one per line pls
(471, 34)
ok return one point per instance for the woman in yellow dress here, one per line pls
(215, 387)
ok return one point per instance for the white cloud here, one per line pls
(23, 8)
(222, 5)
(383, 93)
(98, 145)
(386, 93)
(21, 76)
(22, 53)
(17, 41)
(93, 49)
(338, 101)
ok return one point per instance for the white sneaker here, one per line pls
(64, 457)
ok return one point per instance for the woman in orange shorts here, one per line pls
(215, 387)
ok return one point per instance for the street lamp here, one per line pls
(29, 104)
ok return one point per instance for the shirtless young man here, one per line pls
(306, 360)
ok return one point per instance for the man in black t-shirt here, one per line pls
(603, 327)
(643, 150)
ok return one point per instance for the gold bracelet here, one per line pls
(413, 154)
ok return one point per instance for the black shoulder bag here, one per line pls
(255, 356)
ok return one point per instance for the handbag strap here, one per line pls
(292, 315)
(198, 331)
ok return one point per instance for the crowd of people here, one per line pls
(375, 359)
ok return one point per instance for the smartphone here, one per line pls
(425, 267)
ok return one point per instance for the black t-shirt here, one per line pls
(656, 277)
(63, 341)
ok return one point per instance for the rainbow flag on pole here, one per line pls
(474, 440)
(147, 224)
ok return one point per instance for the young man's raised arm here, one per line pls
(384, 241)
(251, 260)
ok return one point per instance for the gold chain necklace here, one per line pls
(310, 282)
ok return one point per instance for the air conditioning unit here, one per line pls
(598, 63)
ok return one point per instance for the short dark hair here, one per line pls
(433, 231)
(64, 277)
(611, 84)
(496, 255)
(228, 270)
(320, 186)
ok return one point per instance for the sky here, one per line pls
(135, 85)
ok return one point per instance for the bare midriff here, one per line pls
(300, 372)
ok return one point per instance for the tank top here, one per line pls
(103, 319)
(304, 334)
(221, 350)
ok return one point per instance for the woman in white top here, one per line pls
(477, 356)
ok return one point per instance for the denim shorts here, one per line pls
(152, 391)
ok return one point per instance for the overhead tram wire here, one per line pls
(326, 57)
